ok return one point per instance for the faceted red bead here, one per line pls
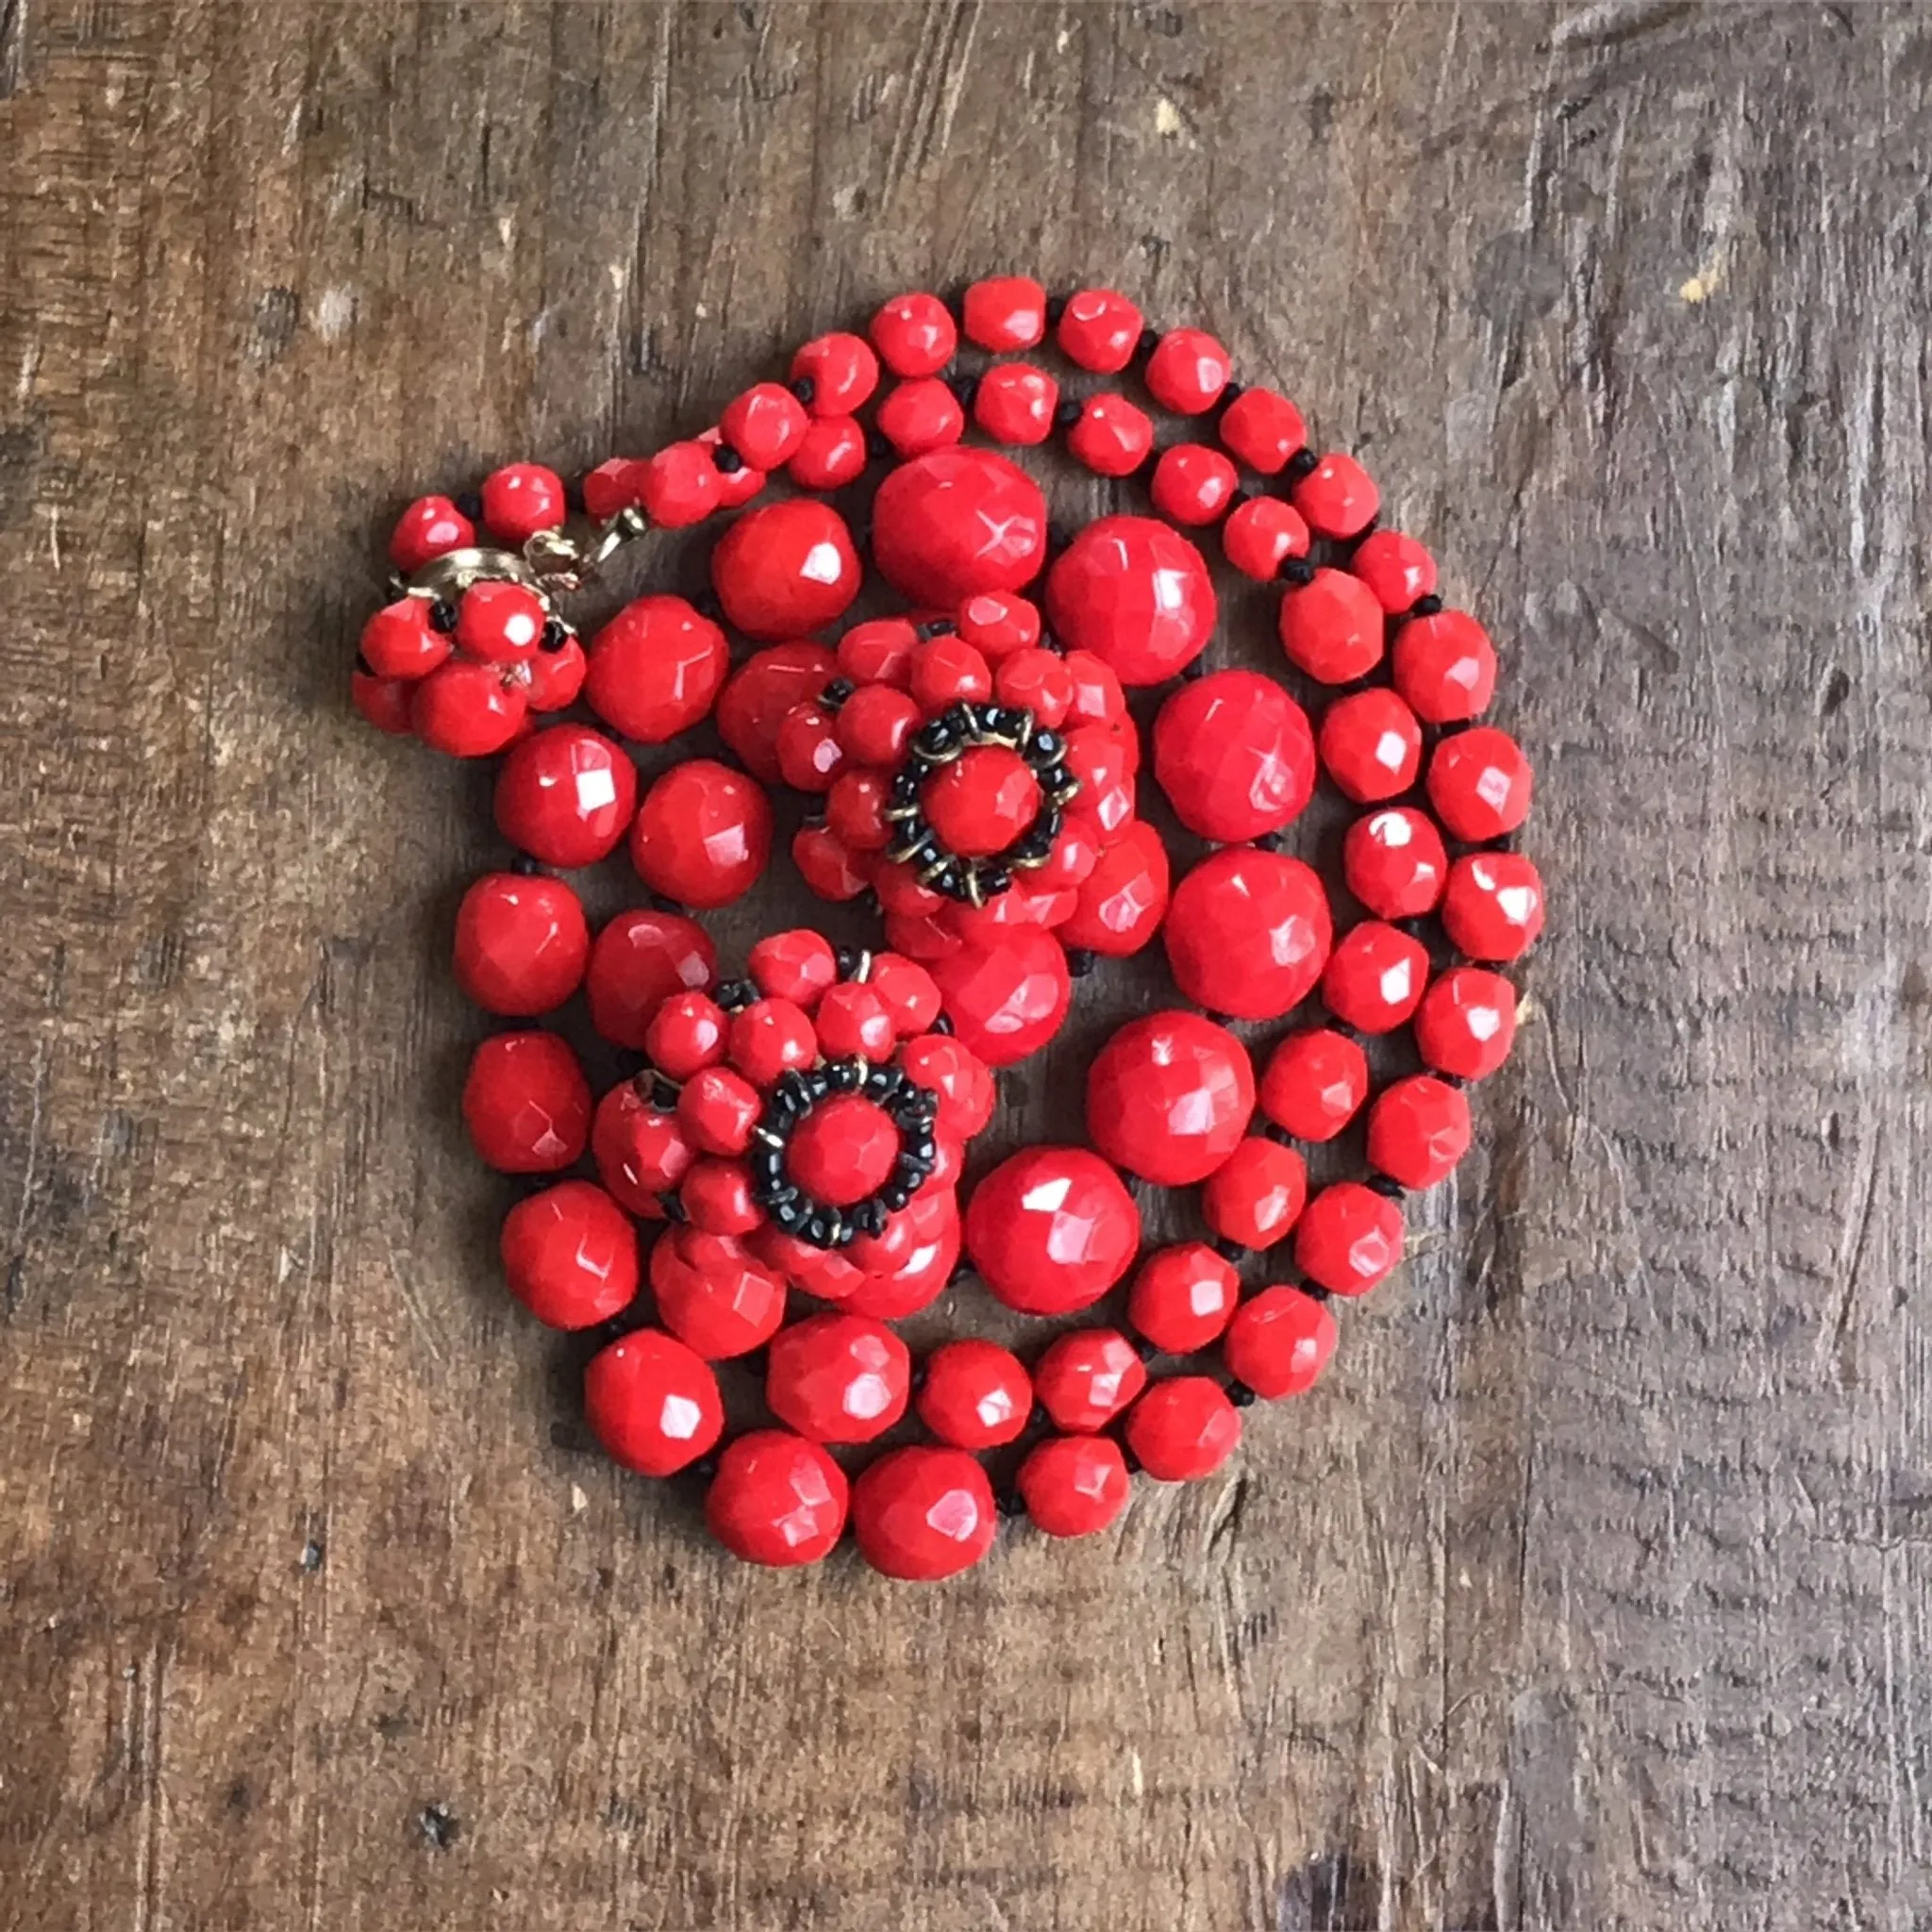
(1315, 1083)
(921, 1514)
(1248, 933)
(1051, 1229)
(467, 710)
(899, 891)
(566, 795)
(521, 945)
(1375, 977)
(570, 1255)
(1492, 908)
(982, 801)
(809, 754)
(1234, 753)
(1262, 431)
(1014, 403)
(1479, 784)
(786, 569)
(876, 723)
(833, 454)
(998, 623)
(523, 499)
(1004, 313)
(772, 1037)
(1073, 1485)
(1331, 626)
(1183, 1428)
(1396, 863)
(765, 425)
(640, 1149)
(957, 1074)
(1397, 568)
(1348, 1238)
(1097, 758)
(1099, 329)
(797, 965)
(921, 415)
(914, 335)
(1338, 496)
(611, 487)
(1279, 1343)
(499, 623)
(735, 487)
(976, 1394)
(655, 669)
(945, 670)
(554, 676)
(1037, 681)
(1256, 1196)
(639, 960)
(852, 1020)
(842, 371)
(1113, 437)
(432, 526)
(1418, 1130)
(1192, 484)
(681, 485)
(837, 1378)
(713, 1294)
(1122, 902)
(761, 693)
(879, 652)
(717, 1110)
(703, 833)
(687, 1034)
(1005, 1000)
(855, 808)
(1169, 1097)
(716, 1197)
(526, 1103)
(1466, 1024)
(1261, 535)
(1182, 1297)
(384, 702)
(1087, 1376)
(844, 1150)
(1134, 593)
(1187, 371)
(399, 641)
(909, 992)
(1446, 666)
(954, 522)
(776, 1500)
(652, 1403)
(919, 1277)
(1371, 745)
(828, 865)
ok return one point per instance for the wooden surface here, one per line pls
(1591, 1588)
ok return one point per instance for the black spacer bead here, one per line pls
(525, 867)
(1080, 962)
(1275, 1131)
(1193, 668)
(1268, 841)
(1315, 1291)
(1235, 502)
(1150, 341)
(727, 460)
(735, 994)
(1009, 1503)
(663, 1095)
(961, 1271)
(443, 616)
(1230, 392)
(964, 387)
(469, 504)
(1144, 1349)
(555, 635)
(804, 388)
(1303, 464)
(878, 446)
(1068, 413)
(573, 498)
(1387, 1186)
(1231, 1251)
(937, 627)
(942, 1025)
(364, 666)
(835, 693)
(1056, 308)
(673, 1205)
(1240, 1395)
(705, 1468)
(1296, 571)
(707, 605)
(1425, 607)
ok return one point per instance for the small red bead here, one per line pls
(1315, 1083)
(570, 1255)
(1348, 1238)
(432, 526)
(1396, 863)
(842, 371)
(1087, 1377)
(1375, 977)
(1371, 745)
(1169, 1097)
(735, 487)
(1248, 933)
(765, 425)
(399, 640)
(772, 1037)
(1418, 1130)
(467, 710)
(1479, 784)
(1262, 431)
(832, 455)
(687, 1034)
(655, 669)
(554, 675)
(1004, 313)
(681, 485)
(611, 487)
(652, 1403)
(1492, 908)
(1005, 1000)
(837, 1378)
(1192, 484)
(809, 754)
(501, 622)
(919, 1278)
(1014, 403)
(1446, 666)
(954, 522)
(909, 992)
(1074, 1484)
(1331, 626)
(1466, 1024)
(639, 960)
(900, 892)
(1121, 903)
(776, 1500)
(1279, 1343)
(1037, 681)
(982, 801)
(1338, 496)
(915, 335)
(1098, 696)
(830, 867)
(1182, 1297)
(797, 965)
(526, 1103)
(385, 702)
(1396, 568)
(852, 1020)
(855, 810)
(1135, 592)
(566, 795)
(712, 1293)
(1187, 371)
(761, 693)
(701, 834)
(997, 624)
(876, 723)
(1051, 1229)
(975, 1395)
(1234, 753)
(640, 1149)
(879, 652)
(786, 569)
(521, 945)
(1183, 1428)
(946, 670)
(920, 1514)
(1099, 329)
(921, 415)
(1256, 1196)
(523, 499)
(717, 1110)
(1113, 437)
(958, 1075)
(1261, 535)
(1099, 758)
(717, 1199)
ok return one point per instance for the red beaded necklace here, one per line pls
(795, 1137)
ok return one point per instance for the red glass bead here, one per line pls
(687, 1033)
(1234, 753)
(521, 945)
(1098, 698)
(640, 1149)
(915, 335)
(1087, 1377)
(1005, 1000)
(855, 810)
(1248, 933)
(1015, 402)
(611, 487)
(1261, 535)
(570, 1255)
(1099, 329)
(876, 723)
(1121, 903)
(982, 801)
(1375, 977)
(852, 1020)
(384, 702)
(946, 670)
(1262, 431)
(1098, 758)
(1279, 1343)
(1338, 496)
(1418, 1130)
(681, 485)
(1446, 666)
(1315, 1083)
(1137, 595)
(1004, 313)
(842, 371)
(526, 1103)
(999, 623)
(1371, 745)
(1113, 437)
(1348, 1238)
(832, 455)
(879, 652)
(1466, 1024)
(713, 1295)
(1182, 1297)
(772, 1037)
(1492, 908)
(1396, 568)
(638, 961)
(1183, 1428)
(432, 526)
(1037, 681)
(523, 499)
(703, 834)
(1074, 856)
(761, 693)
(1479, 784)
(1396, 863)
(717, 1199)
(958, 1075)
(909, 992)
(776, 1500)
(1073, 1485)
(921, 415)
(500, 623)
(566, 795)
(1051, 1229)
(809, 754)
(1256, 1196)
(1331, 626)
(655, 669)
(467, 710)
(786, 569)
(830, 867)
(652, 1403)
(920, 1277)
(837, 1378)
(554, 675)
(765, 425)
(717, 1110)
(1169, 1097)
(975, 1395)
(954, 522)
(920, 1514)
(797, 965)
(1187, 371)
(1192, 484)
(399, 641)
(899, 891)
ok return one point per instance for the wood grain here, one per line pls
(1588, 1591)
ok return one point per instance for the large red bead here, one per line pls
(776, 1500)
(982, 801)
(1262, 429)
(703, 834)
(844, 1150)
(1467, 1023)
(1051, 1229)
(976, 1394)
(655, 669)
(1118, 906)
(1279, 1341)
(1493, 906)
(1235, 756)
(652, 1403)
(1418, 1130)
(1248, 933)
(1396, 863)
(1183, 1428)
(520, 945)
(1169, 1097)
(1087, 1376)
(1315, 1083)
(570, 1255)
(1187, 370)
(1099, 329)
(1446, 666)
(1135, 592)
(954, 522)
(1375, 977)
(1372, 746)
(1348, 1238)
(1073, 1485)
(526, 1103)
(1005, 1000)
(923, 1514)
(566, 795)
(1182, 1297)
(786, 570)
(638, 961)
(1256, 1196)
(1332, 627)
(713, 1295)
(837, 1378)
(762, 694)
(1479, 784)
